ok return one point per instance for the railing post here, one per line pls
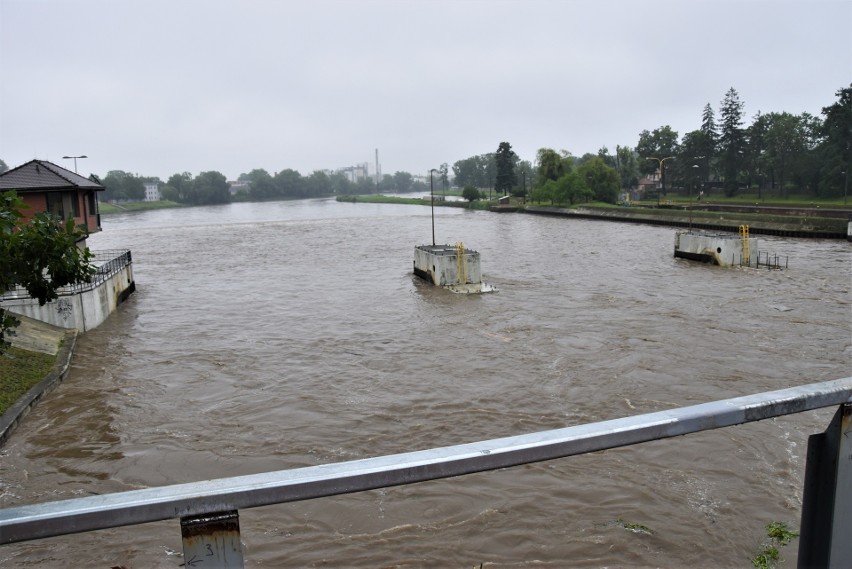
(212, 540)
(827, 497)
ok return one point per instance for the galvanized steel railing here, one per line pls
(105, 263)
(208, 509)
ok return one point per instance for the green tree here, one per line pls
(654, 148)
(526, 176)
(386, 184)
(471, 194)
(340, 185)
(687, 166)
(731, 141)
(544, 192)
(807, 163)
(445, 180)
(363, 186)
(261, 185)
(659, 144)
(601, 180)
(179, 188)
(465, 172)
(477, 171)
(402, 182)
(318, 184)
(783, 143)
(121, 185)
(486, 166)
(210, 188)
(551, 165)
(569, 189)
(506, 178)
(757, 159)
(572, 189)
(288, 183)
(41, 256)
(169, 193)
(627, 165)
(835, 148)
(708, 144)
(608, 159)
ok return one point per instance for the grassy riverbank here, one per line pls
(802, 217)
(19, 371)
(372, 198)
(107, 208)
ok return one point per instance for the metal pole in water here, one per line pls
(432, 200)
(212, 540)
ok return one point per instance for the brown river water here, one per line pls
(280, 335)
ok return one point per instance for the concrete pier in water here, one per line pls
(453, 267)
(723, 249)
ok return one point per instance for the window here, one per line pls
(75, 202)
(54, 204)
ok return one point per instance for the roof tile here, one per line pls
(42, 175)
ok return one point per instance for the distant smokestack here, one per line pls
(378, 172)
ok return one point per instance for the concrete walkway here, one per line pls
(37, 336)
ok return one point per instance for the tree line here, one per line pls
(776, 154)
(258, 185)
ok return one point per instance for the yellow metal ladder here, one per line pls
(746, 259)
(462, 263)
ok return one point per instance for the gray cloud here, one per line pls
(160, 87)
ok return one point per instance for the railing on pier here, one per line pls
(770, 261)
(106, 263)
(209, 510)
(763, 259)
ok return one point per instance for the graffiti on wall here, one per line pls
(63, 307)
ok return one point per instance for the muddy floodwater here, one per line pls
(288, 334)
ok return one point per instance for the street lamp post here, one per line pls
(662, 177)
(432, 201)
(75, 160)
(695, 175)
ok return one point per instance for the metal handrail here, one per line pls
(105, 263)
(37, 521)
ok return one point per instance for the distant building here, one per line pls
(235, 186)
(44, 186)
(354, 173)
(152, 192)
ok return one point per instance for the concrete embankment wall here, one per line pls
(800, 229)
(84, 310)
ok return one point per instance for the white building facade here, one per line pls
(152, 192)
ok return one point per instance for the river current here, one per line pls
(287, 334)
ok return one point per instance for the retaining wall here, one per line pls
(81, 307)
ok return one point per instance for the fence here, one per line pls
(209, 510)
(106, 263)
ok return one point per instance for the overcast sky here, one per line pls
(159, 87)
